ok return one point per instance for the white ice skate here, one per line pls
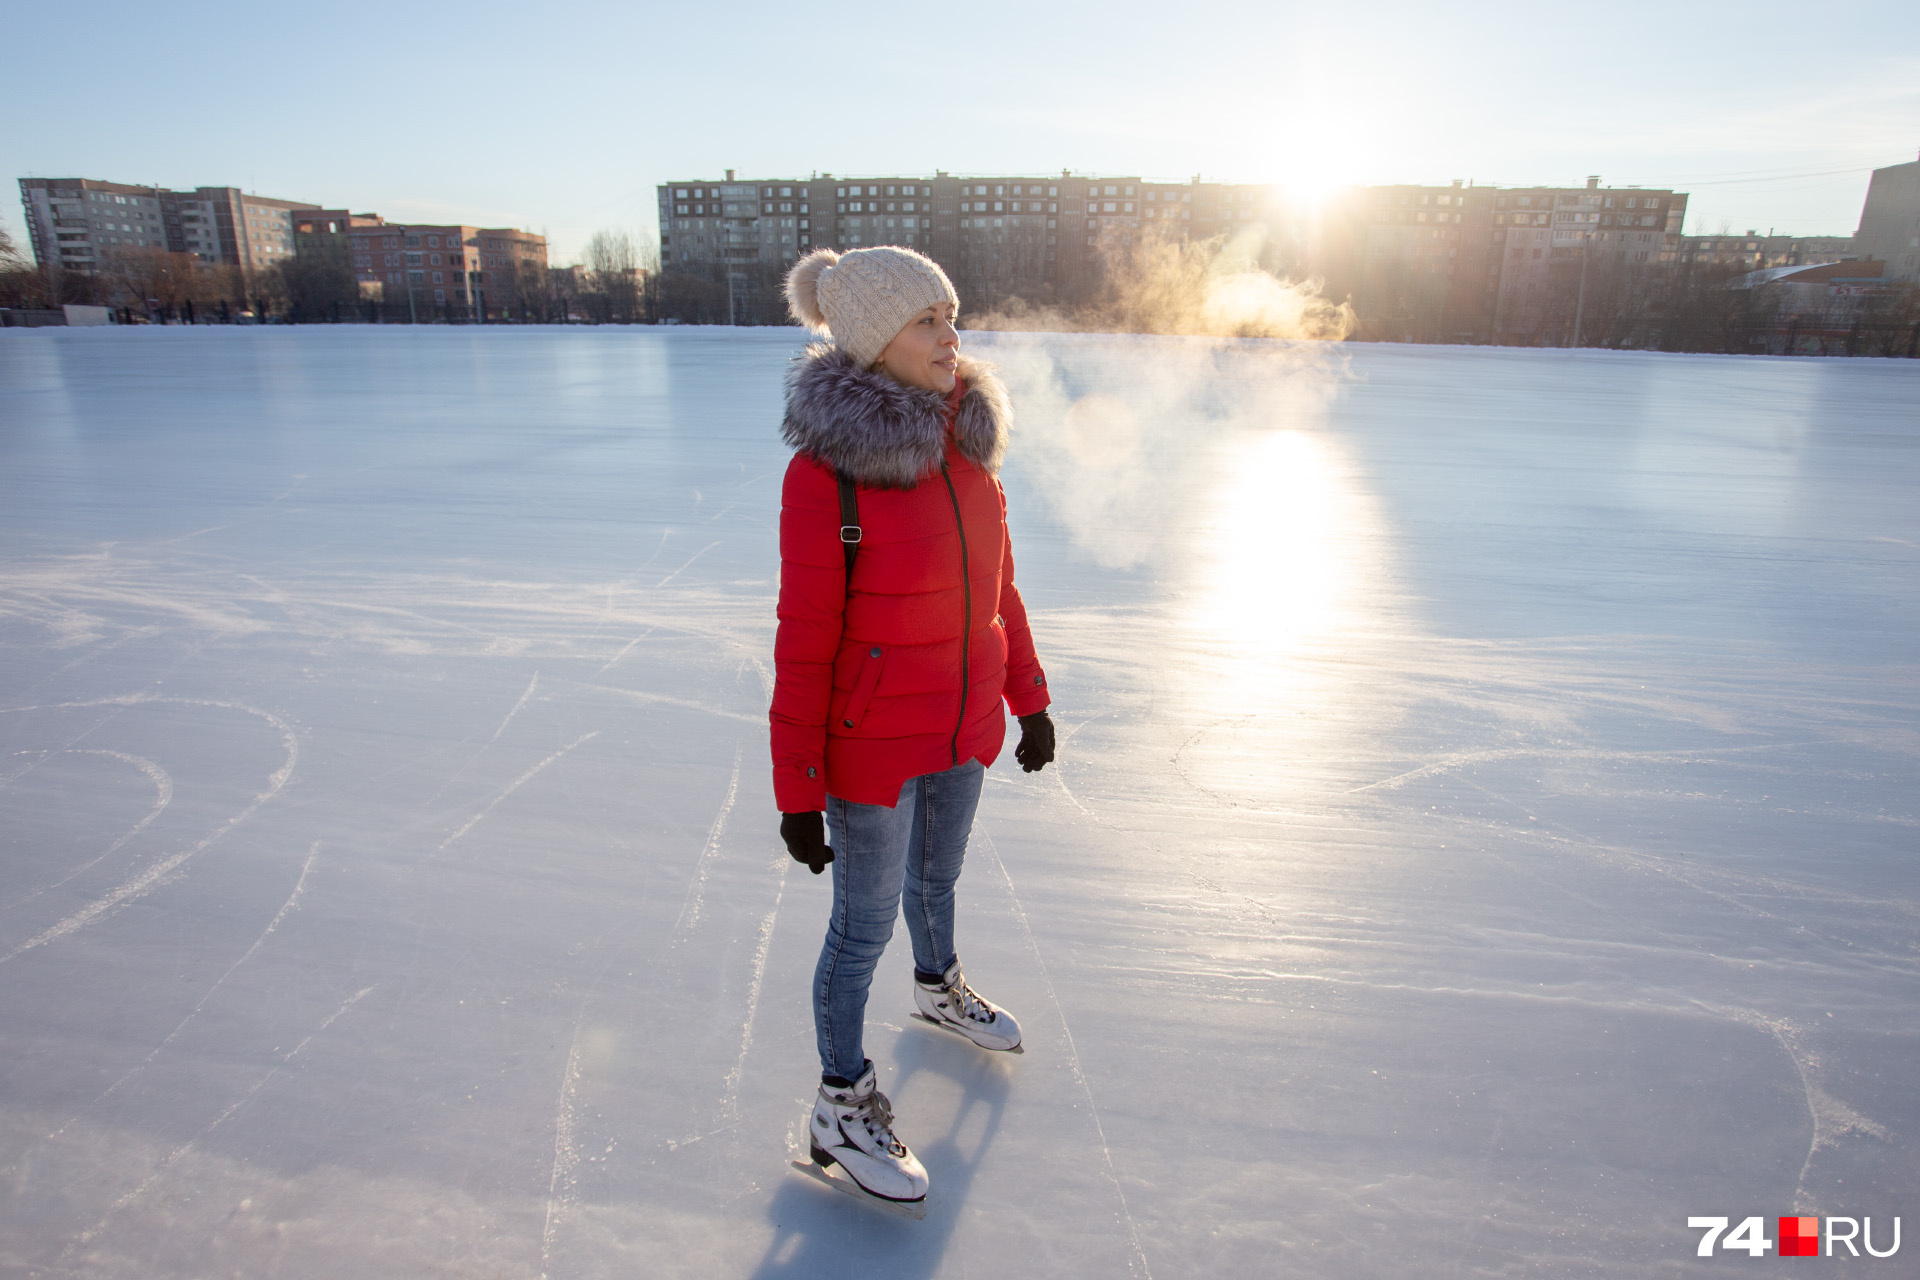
(952, 1005)
(852, 1128)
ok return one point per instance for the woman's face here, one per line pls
(925, 353)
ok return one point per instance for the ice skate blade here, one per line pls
(953, 1030)
(914, 1209)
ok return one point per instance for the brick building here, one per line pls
(441, 263)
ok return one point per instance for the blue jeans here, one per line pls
(917, 846)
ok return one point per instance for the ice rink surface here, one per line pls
(1484, 832)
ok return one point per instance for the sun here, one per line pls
(1311, 146)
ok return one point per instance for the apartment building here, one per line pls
(1890, 220)
(1543, 239)
(1043, 238)
(231, 226)
(1411, 257)
(439, 263)
(1021, 235)
(74, 222)
(1466, 263)
(78, 221)
(1756, 252)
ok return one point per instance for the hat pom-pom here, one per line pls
(803, 288)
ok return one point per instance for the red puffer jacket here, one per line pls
(901, 672)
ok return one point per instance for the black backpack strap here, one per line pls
(849, 521)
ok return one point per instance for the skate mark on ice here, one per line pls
(696, 891)
(763, 672)
(563, 1184)
(606, 611)
(1831, 1118)
(1729, 887)
(532, 685)
(1137, 1256)
(730, 1096)
(512, 787)
(1589, 755)
(1060, 777)
(163, 795)
(625, 649)
(286, 908)
(688, 565)
(233, 1108)
(674, 1144)
(1223, 797)
(687, 704)
(163, 870)
(661, 546)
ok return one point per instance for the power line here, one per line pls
(1783, 177)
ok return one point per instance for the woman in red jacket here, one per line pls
(900, 636)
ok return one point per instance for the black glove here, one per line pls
(1035, 751)
(806, 837)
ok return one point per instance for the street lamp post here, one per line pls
(406, 273)
(1580, 303)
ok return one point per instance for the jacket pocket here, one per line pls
(863, 687)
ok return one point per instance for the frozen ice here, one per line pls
(1483, 835)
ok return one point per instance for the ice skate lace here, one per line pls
(967, 1003)
(876, 1113)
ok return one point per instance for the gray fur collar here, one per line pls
(882, 433)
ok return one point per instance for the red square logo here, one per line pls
(1799, 1237)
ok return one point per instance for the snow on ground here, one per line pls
(1483, 834)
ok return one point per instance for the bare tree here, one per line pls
(613, 263)
(138, 277)
(21, 285)
(528, 287)
(320, 275)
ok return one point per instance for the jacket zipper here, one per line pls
(966, 587)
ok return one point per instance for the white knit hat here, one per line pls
(866, 296)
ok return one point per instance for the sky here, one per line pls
(561, 118)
